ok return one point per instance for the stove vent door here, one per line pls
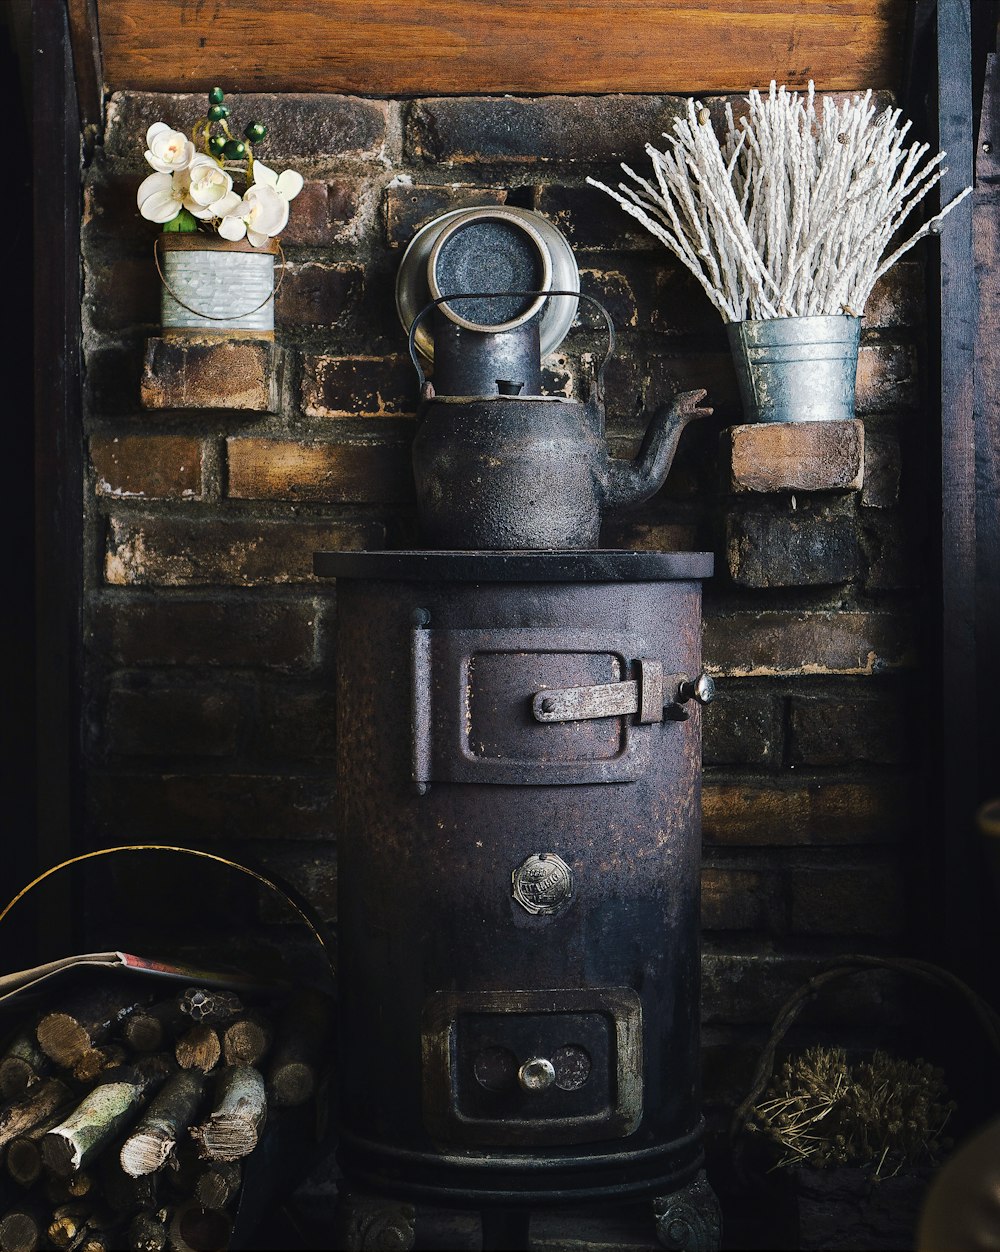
(473, 698)
(520, 1068)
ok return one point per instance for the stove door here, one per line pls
(472, 707)
(532, 1067)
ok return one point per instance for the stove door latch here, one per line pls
(653, 695)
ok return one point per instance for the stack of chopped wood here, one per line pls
(126, 1122)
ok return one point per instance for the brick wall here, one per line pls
(216, 471)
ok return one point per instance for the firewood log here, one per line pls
(84, 1021)
(150, 1029)
(301, 1051)
(219, 1184)
(199, 1048)
(165, 1120)
(195, 1228)
(102, 1114)
(147, 1232)
(68, 1225)
(246, 1041)
(42, 1100)
(232, 1128)
(22, 1229)
(95, 1060)
(21, 1065)
(24, 1152)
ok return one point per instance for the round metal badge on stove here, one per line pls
(543, 884)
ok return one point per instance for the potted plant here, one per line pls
(787, 224)
(860, 1139)
(216, 253)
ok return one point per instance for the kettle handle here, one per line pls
(487, 295)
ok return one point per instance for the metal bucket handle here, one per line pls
(491, 295)
(225, 317)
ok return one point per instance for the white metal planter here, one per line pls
(796, 369)
(214, 286)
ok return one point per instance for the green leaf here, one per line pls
(184, 221)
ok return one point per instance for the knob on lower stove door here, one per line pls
(538, 1074)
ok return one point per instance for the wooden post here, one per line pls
(955, 840)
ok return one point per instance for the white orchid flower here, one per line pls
(287, 184)
(162, 196)
(167, 150)
(211, 191)
(260, 215)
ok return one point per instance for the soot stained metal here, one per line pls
(497, 464)
(518, 766)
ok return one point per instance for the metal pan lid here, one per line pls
(414, 279)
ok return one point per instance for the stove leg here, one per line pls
(689, 1220)
(364, 1222)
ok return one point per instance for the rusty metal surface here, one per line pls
(427, 905)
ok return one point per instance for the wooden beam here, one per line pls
(58, 452)
(986, 245)
(89, 73)
(957, 712)
(527, 46)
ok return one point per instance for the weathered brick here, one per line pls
(790, 549)
(794, 456)
(896, 550)
(318, 293)
(122, 292)
(590, 220)
(152, 467)
(888, 378)
(741, 899)
(521, 130)
(312, 874)
(847, 900)
(777, 641)
(897, 299)
(296, 725)
(749, 987)
(195, 721)
(362, 471)
(839, 730)
(752, 986)
(112, 378)
(407, 206)
(198, 807)
(358, 386)
(647, 536)
(312, 126)
(324, 212)
(793, 814)
(754, 813)
(110, 212)
(277, 634)
(638, 382)
(742, 727)
(615, 287)
(882, 470)
(200, 374)
(178, 552)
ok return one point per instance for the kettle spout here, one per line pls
(631, 482)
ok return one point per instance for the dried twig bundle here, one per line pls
(791, 215)
(883, 1113)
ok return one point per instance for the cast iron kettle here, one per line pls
(497, 464)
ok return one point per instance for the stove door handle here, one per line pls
(642, 695)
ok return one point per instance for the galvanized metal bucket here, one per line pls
(213, 286)
(796, 369)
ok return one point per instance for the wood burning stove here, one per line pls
(519, 852)
(518, 779)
